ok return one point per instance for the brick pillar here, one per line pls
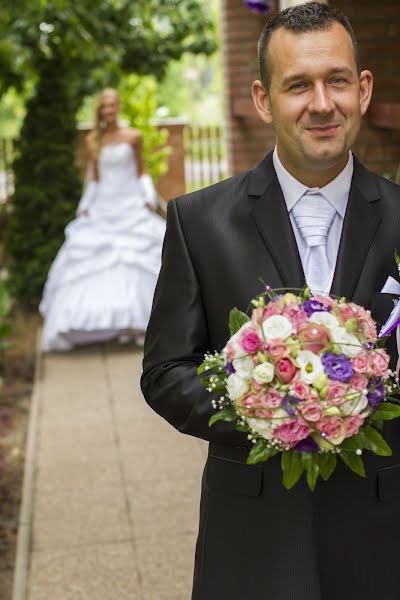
(377, 28)
(172, 184)
(249, 139)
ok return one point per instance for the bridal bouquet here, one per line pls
(307, 377)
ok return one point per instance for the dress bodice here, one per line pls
(117, 166)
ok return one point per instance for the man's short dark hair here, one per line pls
(302, 18)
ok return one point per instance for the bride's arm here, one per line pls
(89, 191)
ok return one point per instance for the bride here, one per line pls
(102, 281)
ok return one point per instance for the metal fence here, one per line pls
(7, 150)
(205, 156)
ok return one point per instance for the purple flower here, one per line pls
(307, 445)
(376, 393)
(337, 366)
(312, 306)
(229, 368)
(260, 6)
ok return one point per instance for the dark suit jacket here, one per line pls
(257, 540)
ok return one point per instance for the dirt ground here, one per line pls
(15, 395)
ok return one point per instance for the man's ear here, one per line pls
(366, 85)
(261, 101)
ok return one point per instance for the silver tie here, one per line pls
(314, 216)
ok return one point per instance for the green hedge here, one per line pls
(47, 182)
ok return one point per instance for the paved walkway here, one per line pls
(116, 492)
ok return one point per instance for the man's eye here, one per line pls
(298, 86)
(338, 81)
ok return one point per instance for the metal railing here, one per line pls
(205, 156)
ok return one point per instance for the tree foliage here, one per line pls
(100, 38)
(47, 183)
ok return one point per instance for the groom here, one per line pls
(308, 212)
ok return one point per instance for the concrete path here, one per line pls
(116, 489)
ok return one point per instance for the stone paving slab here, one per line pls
(116, 493)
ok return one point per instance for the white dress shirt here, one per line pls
(336, 192)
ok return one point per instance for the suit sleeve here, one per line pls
(176, 340)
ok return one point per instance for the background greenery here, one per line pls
(54, 54)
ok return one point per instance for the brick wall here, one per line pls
(377, 26)
(249, 139)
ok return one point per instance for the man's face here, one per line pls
(316, 98)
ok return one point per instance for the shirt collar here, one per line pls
(336, 191)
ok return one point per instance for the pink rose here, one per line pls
(351, 311)
(270, 310)
(277, 349)
(250, 342)
(257, 387)
(353, 424)
(380, 363)
(361, 363)
(325, 300)
(315, 337)
(313, 396)
(296, 315)
(336, 392)
(300, 389)
(370, 330)
(358, 382)
(286, 370)
(332, 429)
(311, 411)
(272, 399)
(291, 433)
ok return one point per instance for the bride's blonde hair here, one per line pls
(95, 136)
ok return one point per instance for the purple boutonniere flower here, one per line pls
(337, 366)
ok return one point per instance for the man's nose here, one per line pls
(321, 101)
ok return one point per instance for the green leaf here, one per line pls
(292, 468)
(386, 411)
(202, 368)
(226, 414)
(260, 453)
(327, 464)
(375, 442)
(310, 464)
(237, 318)
(354, 462)
(354, 442)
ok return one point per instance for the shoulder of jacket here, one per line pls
(214, 194)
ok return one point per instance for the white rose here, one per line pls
(237, 387)
(324, 318)
(264, 373)
(277, 326)
(243, 366)
(310, 365)
(356, 406)
(261, 426)
(347, 342)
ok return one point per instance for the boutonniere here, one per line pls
(393, 287)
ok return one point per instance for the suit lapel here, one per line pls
(268, 209)
(359, 228)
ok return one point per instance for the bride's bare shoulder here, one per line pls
(132, 135)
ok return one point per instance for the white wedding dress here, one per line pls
(102, 280)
